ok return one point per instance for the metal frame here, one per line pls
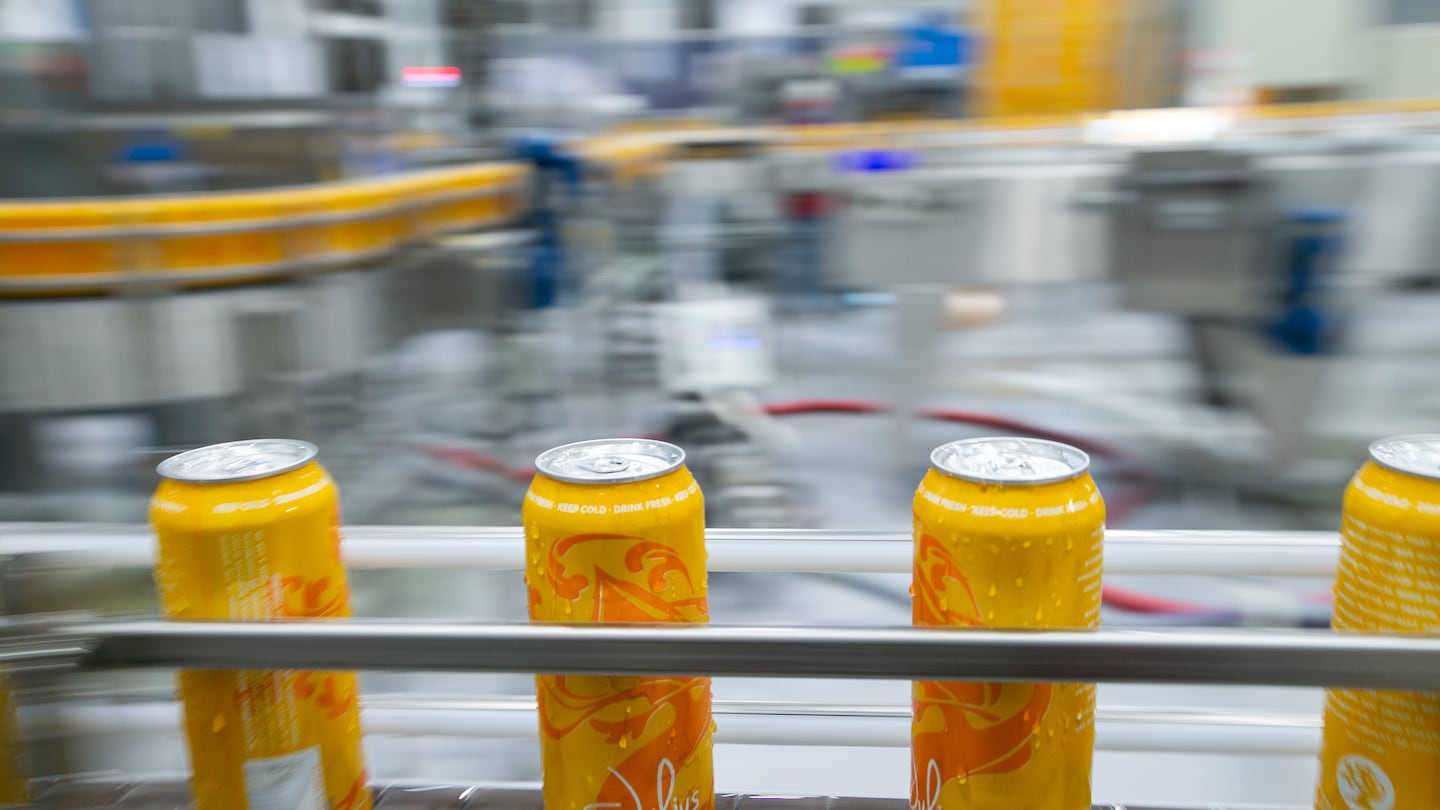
(1307, 659)
(502, 548)
(64, 714)
(1310, 658)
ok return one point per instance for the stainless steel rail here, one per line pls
(1300, 554)
(1118, 728)
(1248, 657)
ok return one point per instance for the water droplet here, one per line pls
(1050, 732)
(1037, 613)
(624, 744)
(1049, 541)
(990, 615)
(944, 603)
(1069, 544)
(992, 589)
(1019, 582)
(1025, 544)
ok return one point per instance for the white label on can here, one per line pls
(287, 782)
(1363, 784)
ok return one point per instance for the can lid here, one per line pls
(609, 461)
(1416, 454)
(248, 460)
(1010, 460)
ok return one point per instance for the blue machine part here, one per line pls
(875, 160)
(932, 43)
(557, 181)
(1305, 324)
(151, 147)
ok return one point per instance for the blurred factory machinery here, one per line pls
(805, 241)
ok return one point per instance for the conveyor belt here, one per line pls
(176, 796)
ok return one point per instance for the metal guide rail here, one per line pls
(63, 713)
(176, 796)
(502, 548)
(1197, 656)
(1230, 657)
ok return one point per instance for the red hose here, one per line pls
(809, 406)
(1090, 446)
(1119, 509)
(823, 406)
(1113, 597)
(1133, 602)
(476, 460)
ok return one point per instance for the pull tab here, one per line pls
(605, 465)
(1012, 461)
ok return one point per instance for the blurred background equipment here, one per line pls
(806, 240)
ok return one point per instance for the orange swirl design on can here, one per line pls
(621, 598)
(679, 708)
(983, 727)
(1004, 556)
(621, 743)
(317, 598)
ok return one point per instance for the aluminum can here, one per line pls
(1009, 533)
(1381, 749)
(615, 532)
(250, 531)
(14, 781)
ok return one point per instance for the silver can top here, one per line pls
(248, 460)
(1416, 454)
(609, 461)
(1010, 460)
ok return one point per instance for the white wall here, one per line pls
(636, 19)
(1290, 42)
(241, 66)
(278, 18)
(36, 21)
(1405, 62)
(756, 18)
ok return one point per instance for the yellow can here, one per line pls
(14, 782)
(250, 531)
(615, 532)
(1381, 749)
(1009, 533)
